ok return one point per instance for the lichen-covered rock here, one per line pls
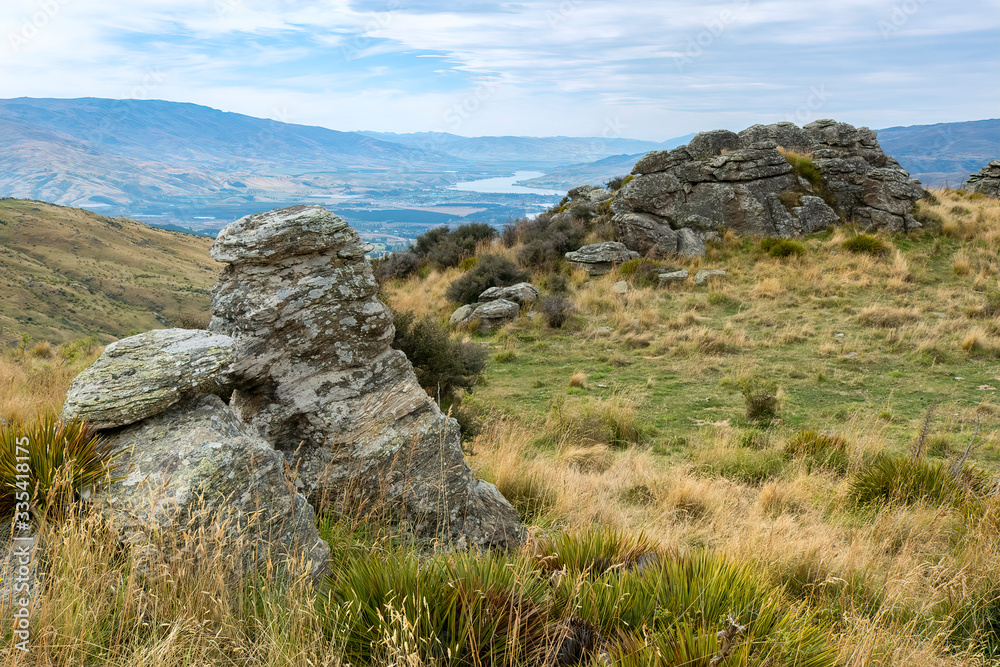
(599, 258)
(196, 465)
(143, 375)
(592, 194)
(494, 314)
(461, 315)
(523, 294)
(703, 275)
(673, 277)
(987, 181)
(744, 183)
(318, 380)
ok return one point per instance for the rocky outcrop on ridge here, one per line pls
(987, 181)
(317, 379)
(742, 182)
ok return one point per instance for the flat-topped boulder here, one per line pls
(494, 314)
(523, 294)
(599, 258)
(143, 375)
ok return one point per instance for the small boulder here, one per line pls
(673, 277)
(599, 258)
(689, 244)
(494, 314)
(620, 287)
(461, 315)
(703, 275)
(143, 375)
(523, 294)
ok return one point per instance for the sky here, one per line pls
(641, 69)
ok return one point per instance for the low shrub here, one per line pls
(866, 244)
(555, 309)
(396, 265)
(548, 238)
(442, 364)
(489, 271)
(760, 396)
(448, 247)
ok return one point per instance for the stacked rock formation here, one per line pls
(742, 182)
(317, 379)
(598, 259)
(987, 181)
(320, 405)
(186, 459)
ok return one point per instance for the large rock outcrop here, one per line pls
(318, 380)
(742, 182)
(987, 181)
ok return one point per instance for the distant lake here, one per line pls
(505, 185)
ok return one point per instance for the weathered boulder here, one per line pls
(143, 375)
(703, 275)
(523, 294)
(591, 194)
(196, 465)
(744, 183)
(461, 315)
(673, 277)
(494, 314)
(599, 258)
(987, 181)
(318, 380)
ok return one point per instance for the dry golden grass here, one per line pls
(578, 380)
(33, 383)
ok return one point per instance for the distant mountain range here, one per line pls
(132, 154)
(945, 153)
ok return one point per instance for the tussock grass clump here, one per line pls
(63, 459)
(642, 272)
(780, 247)
(896, 479)
(887, 317)
(594, 552)
(820, 450)
(866, 244)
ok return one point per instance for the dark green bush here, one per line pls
(778, 247)
(394, 265)
(63, 459)
(442, 364)
(548, 238)
(489, 271)
(866, 244)
(616, 183)
(448, 247)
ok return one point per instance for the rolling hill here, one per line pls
(66, 273)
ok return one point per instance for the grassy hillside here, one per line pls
(66, 273)
(795, 465)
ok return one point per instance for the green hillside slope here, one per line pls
(67, 273)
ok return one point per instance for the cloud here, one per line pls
(662, 68)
